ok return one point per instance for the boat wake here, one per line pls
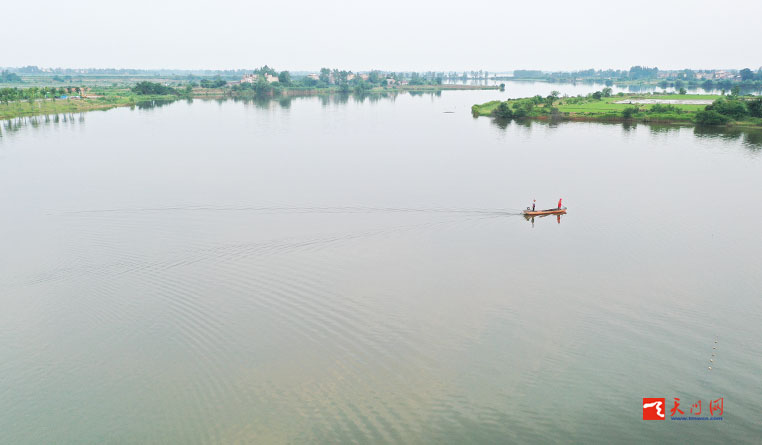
(306, 210)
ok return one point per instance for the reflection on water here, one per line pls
(151, 104)
(531, 218)
(749, 137)
(10, 126)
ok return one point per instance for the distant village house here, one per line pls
(254, 78)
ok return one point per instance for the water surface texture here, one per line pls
(347, 269)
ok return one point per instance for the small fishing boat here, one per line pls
(530, 212)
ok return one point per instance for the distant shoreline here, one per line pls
(123, 98)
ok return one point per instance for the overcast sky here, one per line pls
(385, 34)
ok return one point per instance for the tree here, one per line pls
(552, 98)
(755, 107)
(503, 111)
(266, 70)
(732, 108)
(682, 91)
(217, 82)
(597, 95)
(416, 79)
(262, 86)
(643, 72)
(606, 92)
(746, 74)
(284, 78)
(145, 87)
(735, 91)
(361, 86)
(8, 77)
(325, 75)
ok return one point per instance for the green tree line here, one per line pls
(153, 88)
(32, 93)
(9, 77)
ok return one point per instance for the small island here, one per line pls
(691, 109)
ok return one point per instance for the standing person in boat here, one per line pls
(559, 203)
(534, 201)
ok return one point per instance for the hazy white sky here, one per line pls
(386, 34)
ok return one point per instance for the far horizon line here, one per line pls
(378, 69)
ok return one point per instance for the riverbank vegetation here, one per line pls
(19, 102)
(603, 106)
(47, 97)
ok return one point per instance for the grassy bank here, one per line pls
(50, 106)
(607, 109)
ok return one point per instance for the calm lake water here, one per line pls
(354, 270)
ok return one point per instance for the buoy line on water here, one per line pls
(714, 351)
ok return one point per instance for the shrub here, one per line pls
(755, 107)
(213, 83)
(628, 112)
(659, 108)
(733, 108)
(503, 111)
(522, 110)
(711, 117)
